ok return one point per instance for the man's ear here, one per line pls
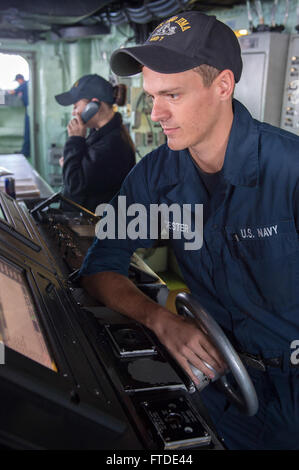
(225, 83)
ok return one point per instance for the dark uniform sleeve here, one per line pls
(82, 166)
(97, 168)
(23, 89)
(296, 206)
(114, 254)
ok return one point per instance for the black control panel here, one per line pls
(76, 374)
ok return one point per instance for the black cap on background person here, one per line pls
(93, 86)
(181, 43)
(88, 87)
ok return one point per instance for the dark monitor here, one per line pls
(19, 325)
(55, 392)
(71, 405)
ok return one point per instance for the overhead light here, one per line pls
(241, 32)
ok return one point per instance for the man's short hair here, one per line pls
(207, 73)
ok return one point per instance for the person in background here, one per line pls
(95, 165)
(22, 92)
(246, 272)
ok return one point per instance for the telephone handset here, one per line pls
(90, 110)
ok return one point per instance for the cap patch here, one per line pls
(167, 29)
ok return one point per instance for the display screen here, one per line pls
(19, 327)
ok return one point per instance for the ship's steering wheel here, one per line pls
(244, 397)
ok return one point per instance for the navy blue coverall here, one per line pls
(247, 272)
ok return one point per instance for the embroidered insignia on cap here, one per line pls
(168, 29)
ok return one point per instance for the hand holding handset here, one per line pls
(90, 110)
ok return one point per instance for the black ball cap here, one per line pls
(87, 87)
(181, 43)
